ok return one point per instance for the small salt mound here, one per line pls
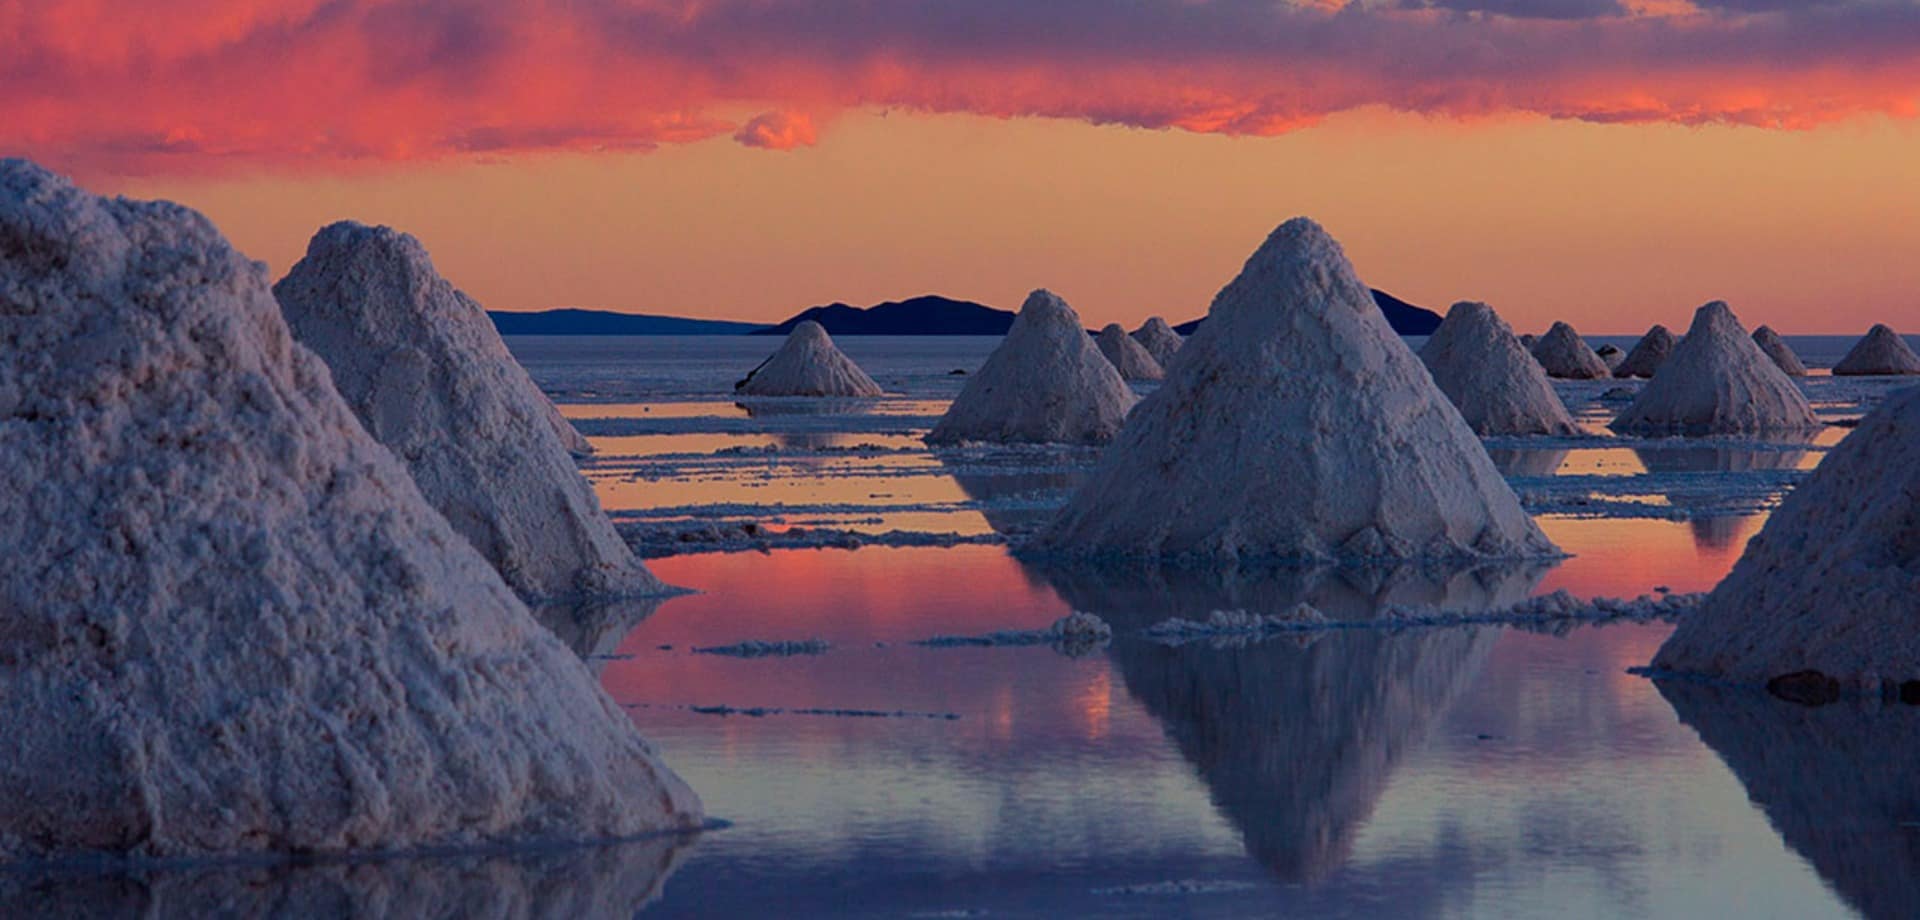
(808, 364)
(1529, 340)
(1295, 425)
(1781, 353)
(1647, 355)
(1881, 352)
(1129, 357)
(1159, 339)
(1830, 583)
(230, 623)
(1564, 354)
(1476, 360)
(1046, 383)
(1718, 381)
(1611, 355)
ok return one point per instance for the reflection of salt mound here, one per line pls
(422, 366)
(232, 624)
(1778, 349)
(808, 364)
(1046, 383)
(1159, 339)
(1828, 585)
(1564, 354)
(1527, 461)
(1718, 381)
(594, 627)
(1647, 355)
(1129, 357)
(1881, 352)
(1497, 386)
(1296, 425)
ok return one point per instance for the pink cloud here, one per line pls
(777, 131)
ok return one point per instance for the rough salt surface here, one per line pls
(423, 368)
(1778, 349)
(1046, 383)
(229, 622)
(1129, 357)
(808, 364)
(1159, 339)
(1647, 355)
(1295, 426)
(1880, 352)
(1718, 381)
(1830, 583)
(1499, 389)
(1564, 354)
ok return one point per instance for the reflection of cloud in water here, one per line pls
(1837, 782)
(595, 627)
(1514, 462)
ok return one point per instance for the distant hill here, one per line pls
(928, 315)
(603, 322)
(1405, 318)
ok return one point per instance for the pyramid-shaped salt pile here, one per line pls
(1476, 360)
(1881, 352)
(1610, 356)
(1159, 339)
(1046, 383)
(1529, 340)
(1564, 354)
(1295, 426)
(1129, 357)
(1830, 584)
(1778, 349)
(1647, 355)
(808, 364)
(1718, 381)
(422, 366)
(229, 622)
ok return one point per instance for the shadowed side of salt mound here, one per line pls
(1499, 389)
(1648, 354)
(1159, 340)
(1778, 349)
(1565, 354)
(1047, 383)
(808, 364)
(423, 368)
(1829, 585)
(1296, 426)
(1882, 352)
(229, 622)
(1718, 381)
(1129, 357)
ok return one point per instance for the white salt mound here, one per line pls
(1129, 357)
(808, 364)
(229, 622)
(1778, 349)
(1564, 354)
(1830, 583)
(1499, 389)
(1881, 352)
(1046, 383)
(1296, 425)
(422, 366)
(1647, 355)
(1159, 339)
(1718, 381)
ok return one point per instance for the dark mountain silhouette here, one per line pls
(1405, 318)
(603, 322)
(927, 315)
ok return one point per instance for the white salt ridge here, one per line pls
(762, 648)
(429, 377)
(1560, 606)
(1180, 887)
(1881, 352)
(1232, 623)
(1129, 357)
(758, 712)
(1564, 354)
(1159, 339)
(1718, 381)
(1296, 426)
(809, 364)
(1077, 632)
(1830, 583)
(1498, 388)
(1047, 383)
(1647, 355)
(230, 624)
(1778, 349)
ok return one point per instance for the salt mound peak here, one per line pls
(1158, 339)
(1881, 352)
(1564, 354)
(808, 364)
(1778, 349)
(1828, 585)
(1481, 366)
(1129, 357)
(230, 623)
(424, 369)
(1296, 426)
(1718, 381)
(1046, 383)
(1647, 355)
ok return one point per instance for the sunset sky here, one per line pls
(1611, 162)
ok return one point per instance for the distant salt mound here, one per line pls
(1129, 357)
(1647, 355)
(1047, 383)
(1781, 353)
(422, 366)
(1530, 340)
(1564, 354)
(1611, 356)
(1829, 584)
(230, 623)
(1159, 339)
(1882, 352)
(808, 364)
(1295, 426)
(1718, 381)
(1499, 389)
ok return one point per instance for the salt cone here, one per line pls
(1158, 339)
(1881, 353)
(1564, 354)
(1718, 381)
(1129, 357)
(1647, 355)
(1046, 383)
(1498, 388)
(1778, 349)
(808, 364)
